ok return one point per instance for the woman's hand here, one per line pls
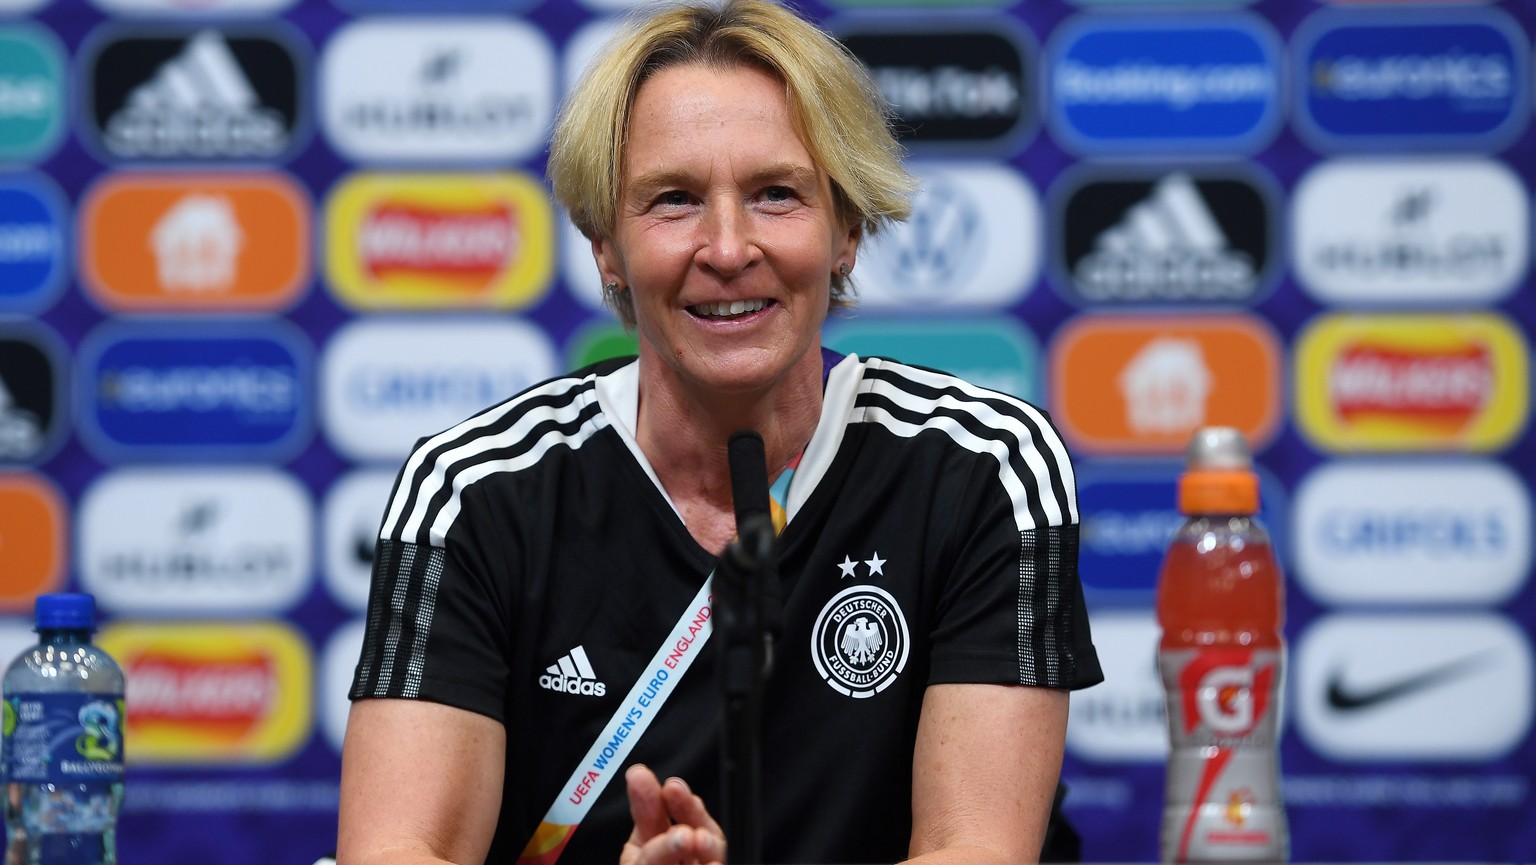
(672, 826)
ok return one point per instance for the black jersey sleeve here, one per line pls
(1011, 607)
(450, 557)
(436, 621)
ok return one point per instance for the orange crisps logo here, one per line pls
(204, 693)
(1142, 385)
(414, 241)
(1411, 382)
(31, 539)
(195, 243)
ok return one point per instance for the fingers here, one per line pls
(686, 807)
(680, 845)
(655, 807)
(646, 807)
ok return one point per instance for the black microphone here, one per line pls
(749, 483)
(748, 614)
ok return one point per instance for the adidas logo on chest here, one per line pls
(573, 674)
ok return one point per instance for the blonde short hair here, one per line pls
(839, 113)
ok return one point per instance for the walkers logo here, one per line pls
(209, 541)
(1130, 514)
(31, 93)
(218, 393)
(1175, 238)
(1396, 688)
(1123, 718)
(1420, 231)
(994, 353)
(973, 241)
(213, 693)
(429, 89)
(951, 86)
(1144, 385)
(384, 382)
(1191, 82)
(32, 415)
(197, 243)
(573, 674)
(211, 94)
(1411, 382)
(32, 539)
(1452, 79)
(401, 241)
(1451, 532)
(32, 242)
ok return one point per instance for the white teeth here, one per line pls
(728, 308)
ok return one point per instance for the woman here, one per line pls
(542, 579)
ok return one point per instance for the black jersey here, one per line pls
(530, 567)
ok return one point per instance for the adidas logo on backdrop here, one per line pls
(573, 674)
(203, 95)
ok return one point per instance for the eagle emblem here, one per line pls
(861, 641)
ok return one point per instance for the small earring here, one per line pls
(610, 288)
(842, 270)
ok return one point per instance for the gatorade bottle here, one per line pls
(1220, 601)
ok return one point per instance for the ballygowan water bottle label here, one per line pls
(63, 738)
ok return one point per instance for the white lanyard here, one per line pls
(608, 754)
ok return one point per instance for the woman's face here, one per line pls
(727, 235)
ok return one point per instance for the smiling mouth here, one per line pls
(729, 309)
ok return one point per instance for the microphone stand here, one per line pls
(746, 610)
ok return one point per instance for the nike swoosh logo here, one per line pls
(1346, 700)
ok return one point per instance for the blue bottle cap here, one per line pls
(66, 612)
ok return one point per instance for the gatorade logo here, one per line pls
(195, 243)
(1411, 382)
(1224, 691)
(31, 539)
(1123, 384)
(439, 241)
(213, 693)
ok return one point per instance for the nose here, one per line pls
(727, 246)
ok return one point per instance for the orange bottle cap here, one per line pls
(1218, 491)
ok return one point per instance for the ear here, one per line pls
(610, 265)
(847, 248)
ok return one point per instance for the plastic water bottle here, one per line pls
(63, 742)
(1220, 601)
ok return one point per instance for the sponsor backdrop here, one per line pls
(250, 250)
